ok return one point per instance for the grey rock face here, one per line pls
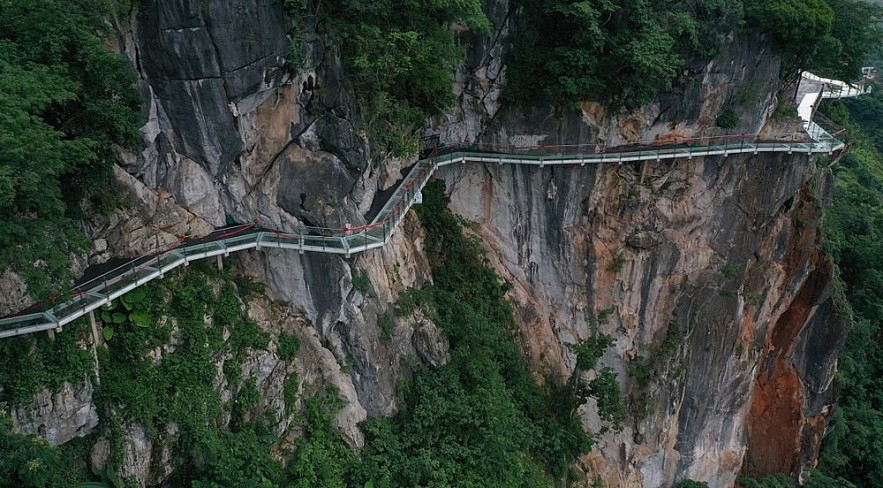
(13, 293)
(312, 185)
(198, 57)
(430, 344)
(58, 416)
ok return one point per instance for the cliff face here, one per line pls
(726, 333)
(726, 336)
(716, 284)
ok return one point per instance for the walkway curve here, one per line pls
(100, 291)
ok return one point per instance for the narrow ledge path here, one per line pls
(100, 291)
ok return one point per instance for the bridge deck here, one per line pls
(100, 291)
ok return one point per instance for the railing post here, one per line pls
(95, 338)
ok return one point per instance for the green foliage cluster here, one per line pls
(401, 56)
(29, 461)
(816, 479)
(644, 369)
(617, 263)
(621, 52)
(386, 325)
(727, 119)
(691, 484)
(287, 346)
(32, 363)
(361, 283)
(480, 419)
(178, 388)
(65, 99)
(613, 51)
(853, 230)
(242, 457)
(829, 36)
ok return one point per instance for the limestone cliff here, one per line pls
(726, 336)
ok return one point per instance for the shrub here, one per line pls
(361, 283)
(287, 346)
(727, 119)
(386, 325)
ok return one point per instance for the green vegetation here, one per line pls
(691, 484)
(164, 374)
(480, 419)
(727, 119)
(830, 36)
(616, 52)
(65, 99)
(815, 479)
(853, 230)
(731, 271)
(361, 283)
(645, 369)
(622, 52)
(386, 325)
(32, 363)
(287, 346)
(28, 461)
(617, 263)
(401, 58)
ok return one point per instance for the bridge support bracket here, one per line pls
(94, 324)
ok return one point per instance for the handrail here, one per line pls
(100, 291)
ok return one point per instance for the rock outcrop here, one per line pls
(58, 416)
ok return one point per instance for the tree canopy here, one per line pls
(854, 239)
(621, 52)
(65, 99)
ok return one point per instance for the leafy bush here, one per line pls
(691, 484)
(831, 36)
(727, 119)
(287, 346)
(386, 325)
(614, 52)
(605, 389)
(48, 363)
(361, 283)
(590, 350)
(853, 230)
(617, 263)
